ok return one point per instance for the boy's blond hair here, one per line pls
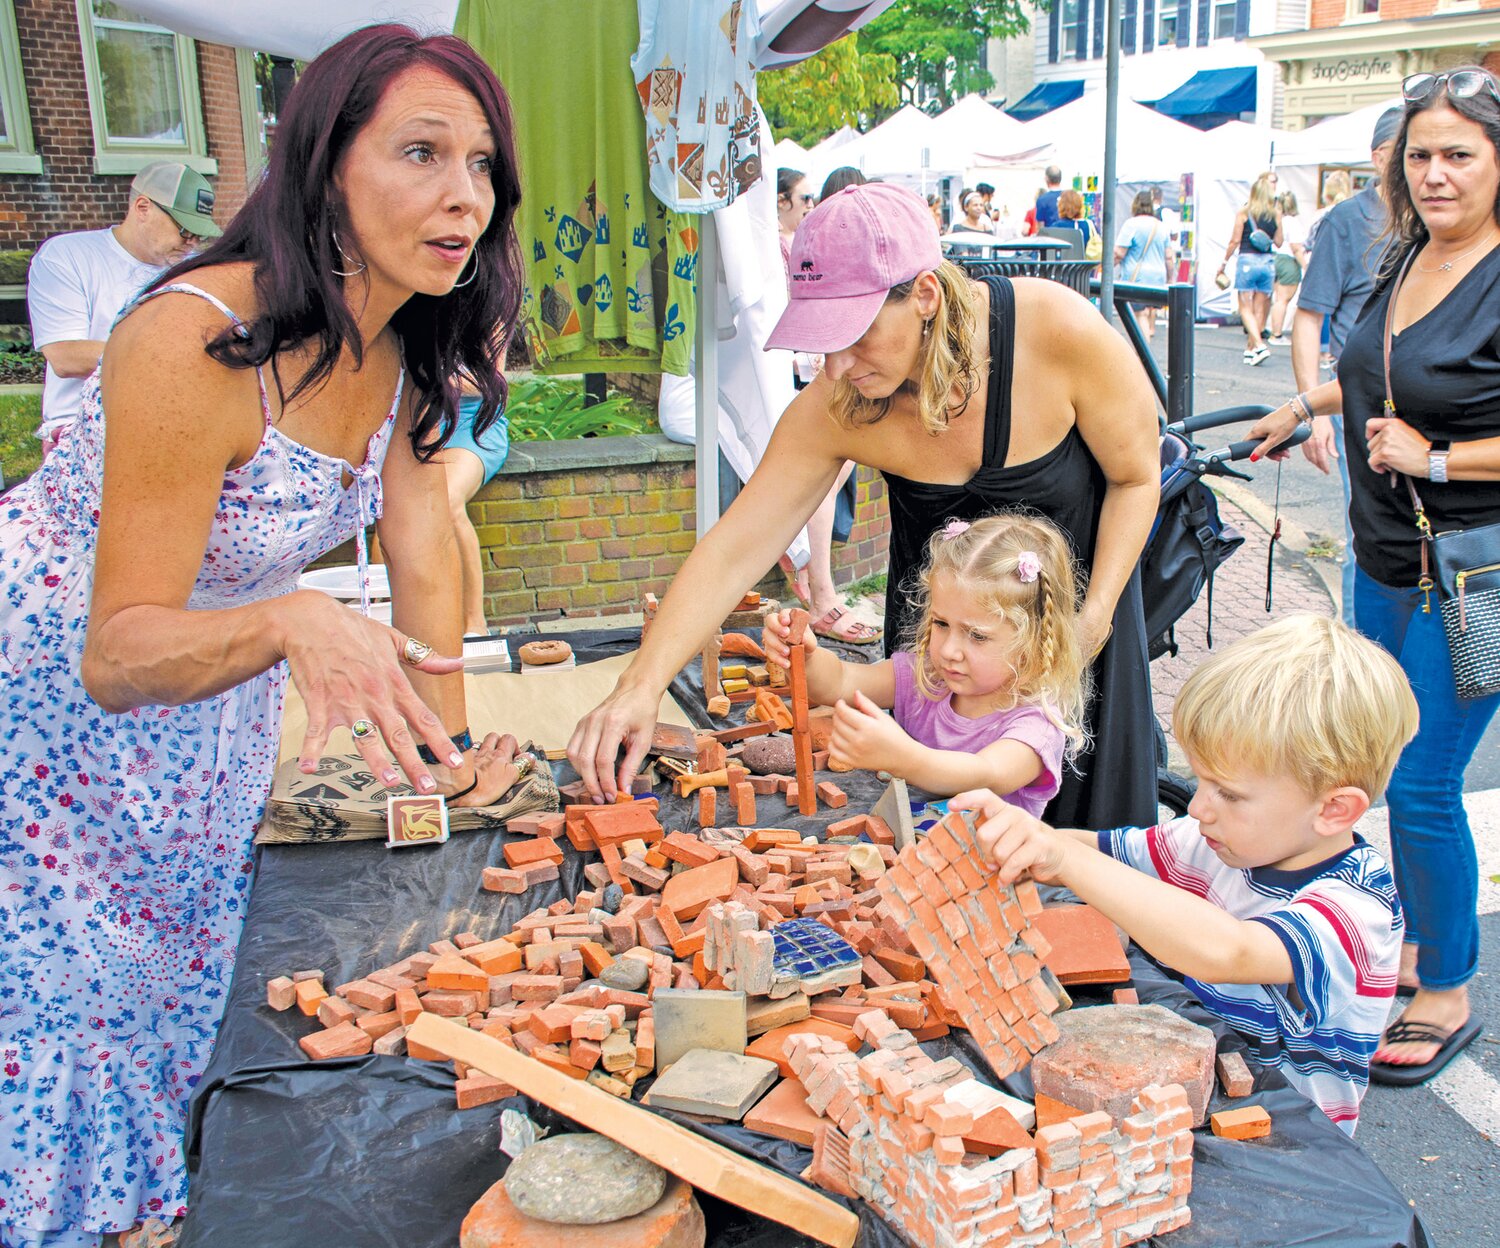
(1305, 697)
(984, 558)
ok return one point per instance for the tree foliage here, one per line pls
(843, 85)
(938, 45)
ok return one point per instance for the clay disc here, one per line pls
(541, 653)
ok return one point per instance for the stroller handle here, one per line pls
(1221, 416)
(1236, 451)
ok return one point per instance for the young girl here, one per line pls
(991, 692)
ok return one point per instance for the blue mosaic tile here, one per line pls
(807, 947)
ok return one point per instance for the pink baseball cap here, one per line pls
(847, 254)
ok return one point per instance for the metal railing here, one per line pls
(1174, 390)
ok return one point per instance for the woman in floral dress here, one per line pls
(265, 401)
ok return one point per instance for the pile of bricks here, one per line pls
(977, 941)
(926, 1145)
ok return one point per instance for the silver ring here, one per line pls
(361, 728)
(415, 652)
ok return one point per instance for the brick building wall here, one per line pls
(68, 195)
(561, 531)
(1326, 13)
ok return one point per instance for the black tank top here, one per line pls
(1066, 486)
(1268, 224)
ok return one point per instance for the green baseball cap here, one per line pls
(182, 193)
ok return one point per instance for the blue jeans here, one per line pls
(1432, 849)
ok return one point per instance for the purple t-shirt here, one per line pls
(935, 724)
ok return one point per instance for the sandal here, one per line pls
(856, 632)
(795, 578)
(1450, 1043)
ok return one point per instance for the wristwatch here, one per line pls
(1437, 460)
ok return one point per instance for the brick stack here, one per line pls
(903, 1143)
(976, 939)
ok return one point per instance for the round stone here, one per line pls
(582, 1180)
(674, 1221)
(626, 974)
(611, 898)
(769, 756)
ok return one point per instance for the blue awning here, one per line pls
(1211, 96)
(1046, 96)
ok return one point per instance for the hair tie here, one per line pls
(953, 528)
(1028, 566)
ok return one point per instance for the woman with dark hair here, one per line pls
(265, 400)
(844, 175)
(969, 397)
(1428, 332)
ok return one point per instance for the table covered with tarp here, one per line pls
(288, 1153)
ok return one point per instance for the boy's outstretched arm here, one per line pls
(1186, 933)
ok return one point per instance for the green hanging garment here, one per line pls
(611, 274)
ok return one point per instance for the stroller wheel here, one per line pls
(1173, 793)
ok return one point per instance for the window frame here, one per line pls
(1068, 30)
(18, 152)
(130, 156)
(1163, 16)
(1221, 7)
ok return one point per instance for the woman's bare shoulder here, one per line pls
(175, 326)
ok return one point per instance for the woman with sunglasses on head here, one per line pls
(1433, 327)
(969, 397)
(265, 401)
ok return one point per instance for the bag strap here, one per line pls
(1424, 526)
(1145, 247)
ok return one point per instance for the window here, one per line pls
(1224, 19)
(1127, 33)
(1166, 31)
(17, 152)
(1070, 29)
(143, 91)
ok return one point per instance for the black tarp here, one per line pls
(285, 1153)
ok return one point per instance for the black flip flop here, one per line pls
(1403, 1032)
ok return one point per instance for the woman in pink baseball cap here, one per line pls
(923, 370)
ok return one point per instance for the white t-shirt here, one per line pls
(77, 285)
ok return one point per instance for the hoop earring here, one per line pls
(339, 247)
(474, 256)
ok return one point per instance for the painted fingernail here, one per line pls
(427, 784)
(455, 760)
(388, 778)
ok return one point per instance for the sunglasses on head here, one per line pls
(1462, 85)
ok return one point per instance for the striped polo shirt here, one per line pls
(1340, 921)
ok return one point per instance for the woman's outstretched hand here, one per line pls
(349, 670)
(626, 718)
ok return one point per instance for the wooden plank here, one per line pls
(807, 797)
(701, 1162)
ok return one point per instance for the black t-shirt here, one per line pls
(1445, 379)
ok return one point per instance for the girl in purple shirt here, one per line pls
(990, 691)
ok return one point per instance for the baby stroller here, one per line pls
(1187, 544)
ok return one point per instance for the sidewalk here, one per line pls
(1239, 608)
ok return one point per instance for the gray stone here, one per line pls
(714, 1084)
(582, 1180)
(626, 974)
(611, 898)
(769, 756)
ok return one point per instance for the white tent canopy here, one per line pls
(1338, 141)
(905, 144)
(1240, 149)
(292, 28)
(973, 125)
(789, 154)
(1151, 146)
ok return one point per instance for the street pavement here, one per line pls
(1436, 1143)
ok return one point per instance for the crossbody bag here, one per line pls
(1463, 565)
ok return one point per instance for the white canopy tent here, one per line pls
(974, 125)
(907, 147)
(789, 154)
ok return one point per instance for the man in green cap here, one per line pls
(78, 283)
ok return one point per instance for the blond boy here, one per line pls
(1282, 920)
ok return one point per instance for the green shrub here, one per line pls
(551, 409)
(23, 367)
(13, 267)
(20, 452)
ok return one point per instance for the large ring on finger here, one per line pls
(415, 652)
(361, 728)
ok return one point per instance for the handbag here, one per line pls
(1467, 566)
(1093, 247)
(1261, 241)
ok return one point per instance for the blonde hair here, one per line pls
(984, 558)
(1262, 201)
(1306, 698)
(1337, 187)
(946, 359)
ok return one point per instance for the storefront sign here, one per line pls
(1362, 69)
